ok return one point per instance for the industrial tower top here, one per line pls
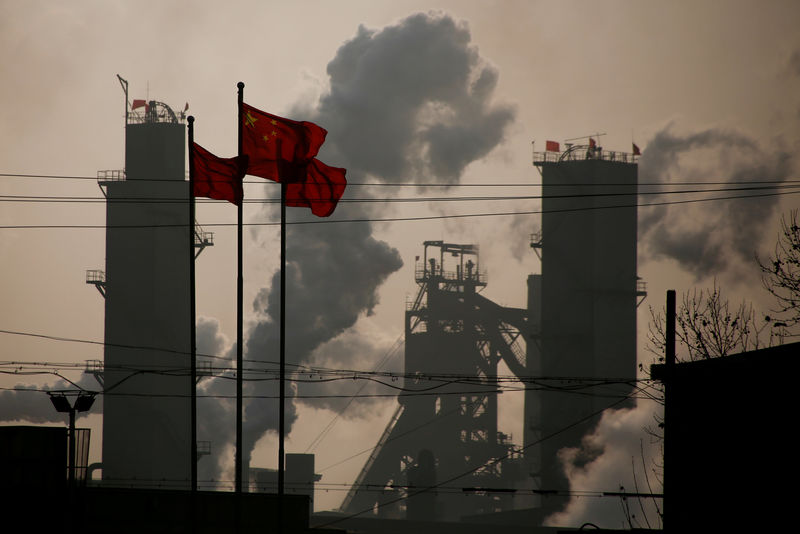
(577, 152)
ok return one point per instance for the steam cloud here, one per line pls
(25, 403)
(410, 102)
(708, 238)
(619, 460)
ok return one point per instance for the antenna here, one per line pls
(597, 135)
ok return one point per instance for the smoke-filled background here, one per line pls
(709, 90)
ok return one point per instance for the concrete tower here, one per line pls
(582, 307)
(146, 423)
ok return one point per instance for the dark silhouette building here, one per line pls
(728, 454)
(579, 332)
(447, 436)
(146, 423)
(582, 307)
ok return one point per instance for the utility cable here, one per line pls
(399, 219)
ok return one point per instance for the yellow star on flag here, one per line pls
(250, 120)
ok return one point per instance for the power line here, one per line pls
(489, 463)
(401, 219)
(389, 200)
(416, 184)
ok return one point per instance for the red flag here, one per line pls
(261, 131)
(218, 178)
(138, 102)
(186, 107)
(636, 151)
(592, 143)
(552, 146)
(320, 190)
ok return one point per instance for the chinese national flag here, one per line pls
(552, 146)
(636, 151)
(217, 178)
(269, 140)
(592, 143)
(320, 189)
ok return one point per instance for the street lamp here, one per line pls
(82, 404)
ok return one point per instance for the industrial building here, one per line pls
(441, 457)
(145, 378)
(451, 330)
(583, 304)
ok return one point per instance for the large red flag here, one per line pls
(320, 190)
(217, 178)
(268, 139)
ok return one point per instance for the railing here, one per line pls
(111, 175)
(579, 153)
(641, 287)
(203, 448)
(421, 274)
(94, 366)
(203, 239)
(95, 276)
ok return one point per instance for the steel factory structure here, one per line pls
(441, 457)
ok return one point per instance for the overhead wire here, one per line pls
(489, 463)
(400, 219)
(416, 199)
(420, 184)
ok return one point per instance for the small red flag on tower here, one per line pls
(592, 143)
(552, 146)
(636, 151)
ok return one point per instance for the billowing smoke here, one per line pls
(708, 238)
(622, 457)
(29, 403)
(411, 102)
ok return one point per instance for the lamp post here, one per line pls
(82, 403)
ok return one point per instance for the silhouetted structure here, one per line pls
(146, 423)
(449, 437)
(730, 460)
(300, 478)
(582, 308)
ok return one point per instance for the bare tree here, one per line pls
(708, 326)
(781, 273)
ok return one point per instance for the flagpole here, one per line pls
(282, 409)
(192, 325)
(239, 319)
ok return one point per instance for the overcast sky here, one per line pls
(410, 91)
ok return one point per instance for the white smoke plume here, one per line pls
(625, 458)
(28, 403)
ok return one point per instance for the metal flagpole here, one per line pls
(282, 408)
(192, 325)
(239, 320)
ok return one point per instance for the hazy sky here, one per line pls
(709, 90)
